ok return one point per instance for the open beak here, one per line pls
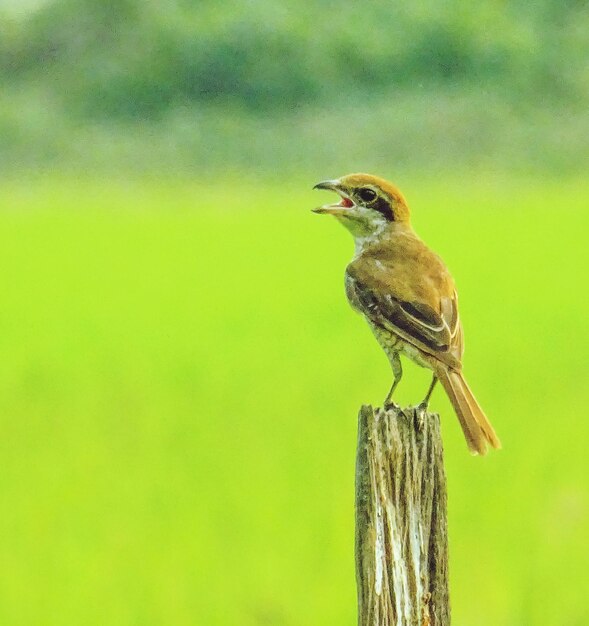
(338, 208)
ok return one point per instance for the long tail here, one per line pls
(476, 427)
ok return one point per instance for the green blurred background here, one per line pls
(180, 372)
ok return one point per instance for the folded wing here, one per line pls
(436, 332)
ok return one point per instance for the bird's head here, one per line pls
(367, 204)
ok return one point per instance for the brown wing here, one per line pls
(437, 333)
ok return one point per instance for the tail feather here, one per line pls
(476, 427)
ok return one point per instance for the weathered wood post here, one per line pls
(401, 527)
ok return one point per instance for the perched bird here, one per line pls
(406, 294)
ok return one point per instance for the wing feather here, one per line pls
(416, 322)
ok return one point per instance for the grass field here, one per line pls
(179, 384)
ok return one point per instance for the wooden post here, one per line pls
(401, 526)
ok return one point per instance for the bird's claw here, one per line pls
(422, 407)
(420, 413)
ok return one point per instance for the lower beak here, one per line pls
(327, 209)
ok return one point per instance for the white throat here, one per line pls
(361, 242)
(365, 225)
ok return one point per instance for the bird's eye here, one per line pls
(366, 194)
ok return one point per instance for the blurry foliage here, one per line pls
(185, 85)
(132, 59)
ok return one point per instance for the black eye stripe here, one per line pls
(383, 206)
(376, 202)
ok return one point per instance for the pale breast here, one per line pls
(393, 344)
(388, 341)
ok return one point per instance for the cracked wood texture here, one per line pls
(401, 524)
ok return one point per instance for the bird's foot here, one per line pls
(420, 413)
(389, 405)
(422, 407)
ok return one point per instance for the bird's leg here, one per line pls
(425, 402)
(397, 375)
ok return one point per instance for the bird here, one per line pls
(407, 295)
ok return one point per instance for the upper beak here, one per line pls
(327, 184)
(333, 209)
